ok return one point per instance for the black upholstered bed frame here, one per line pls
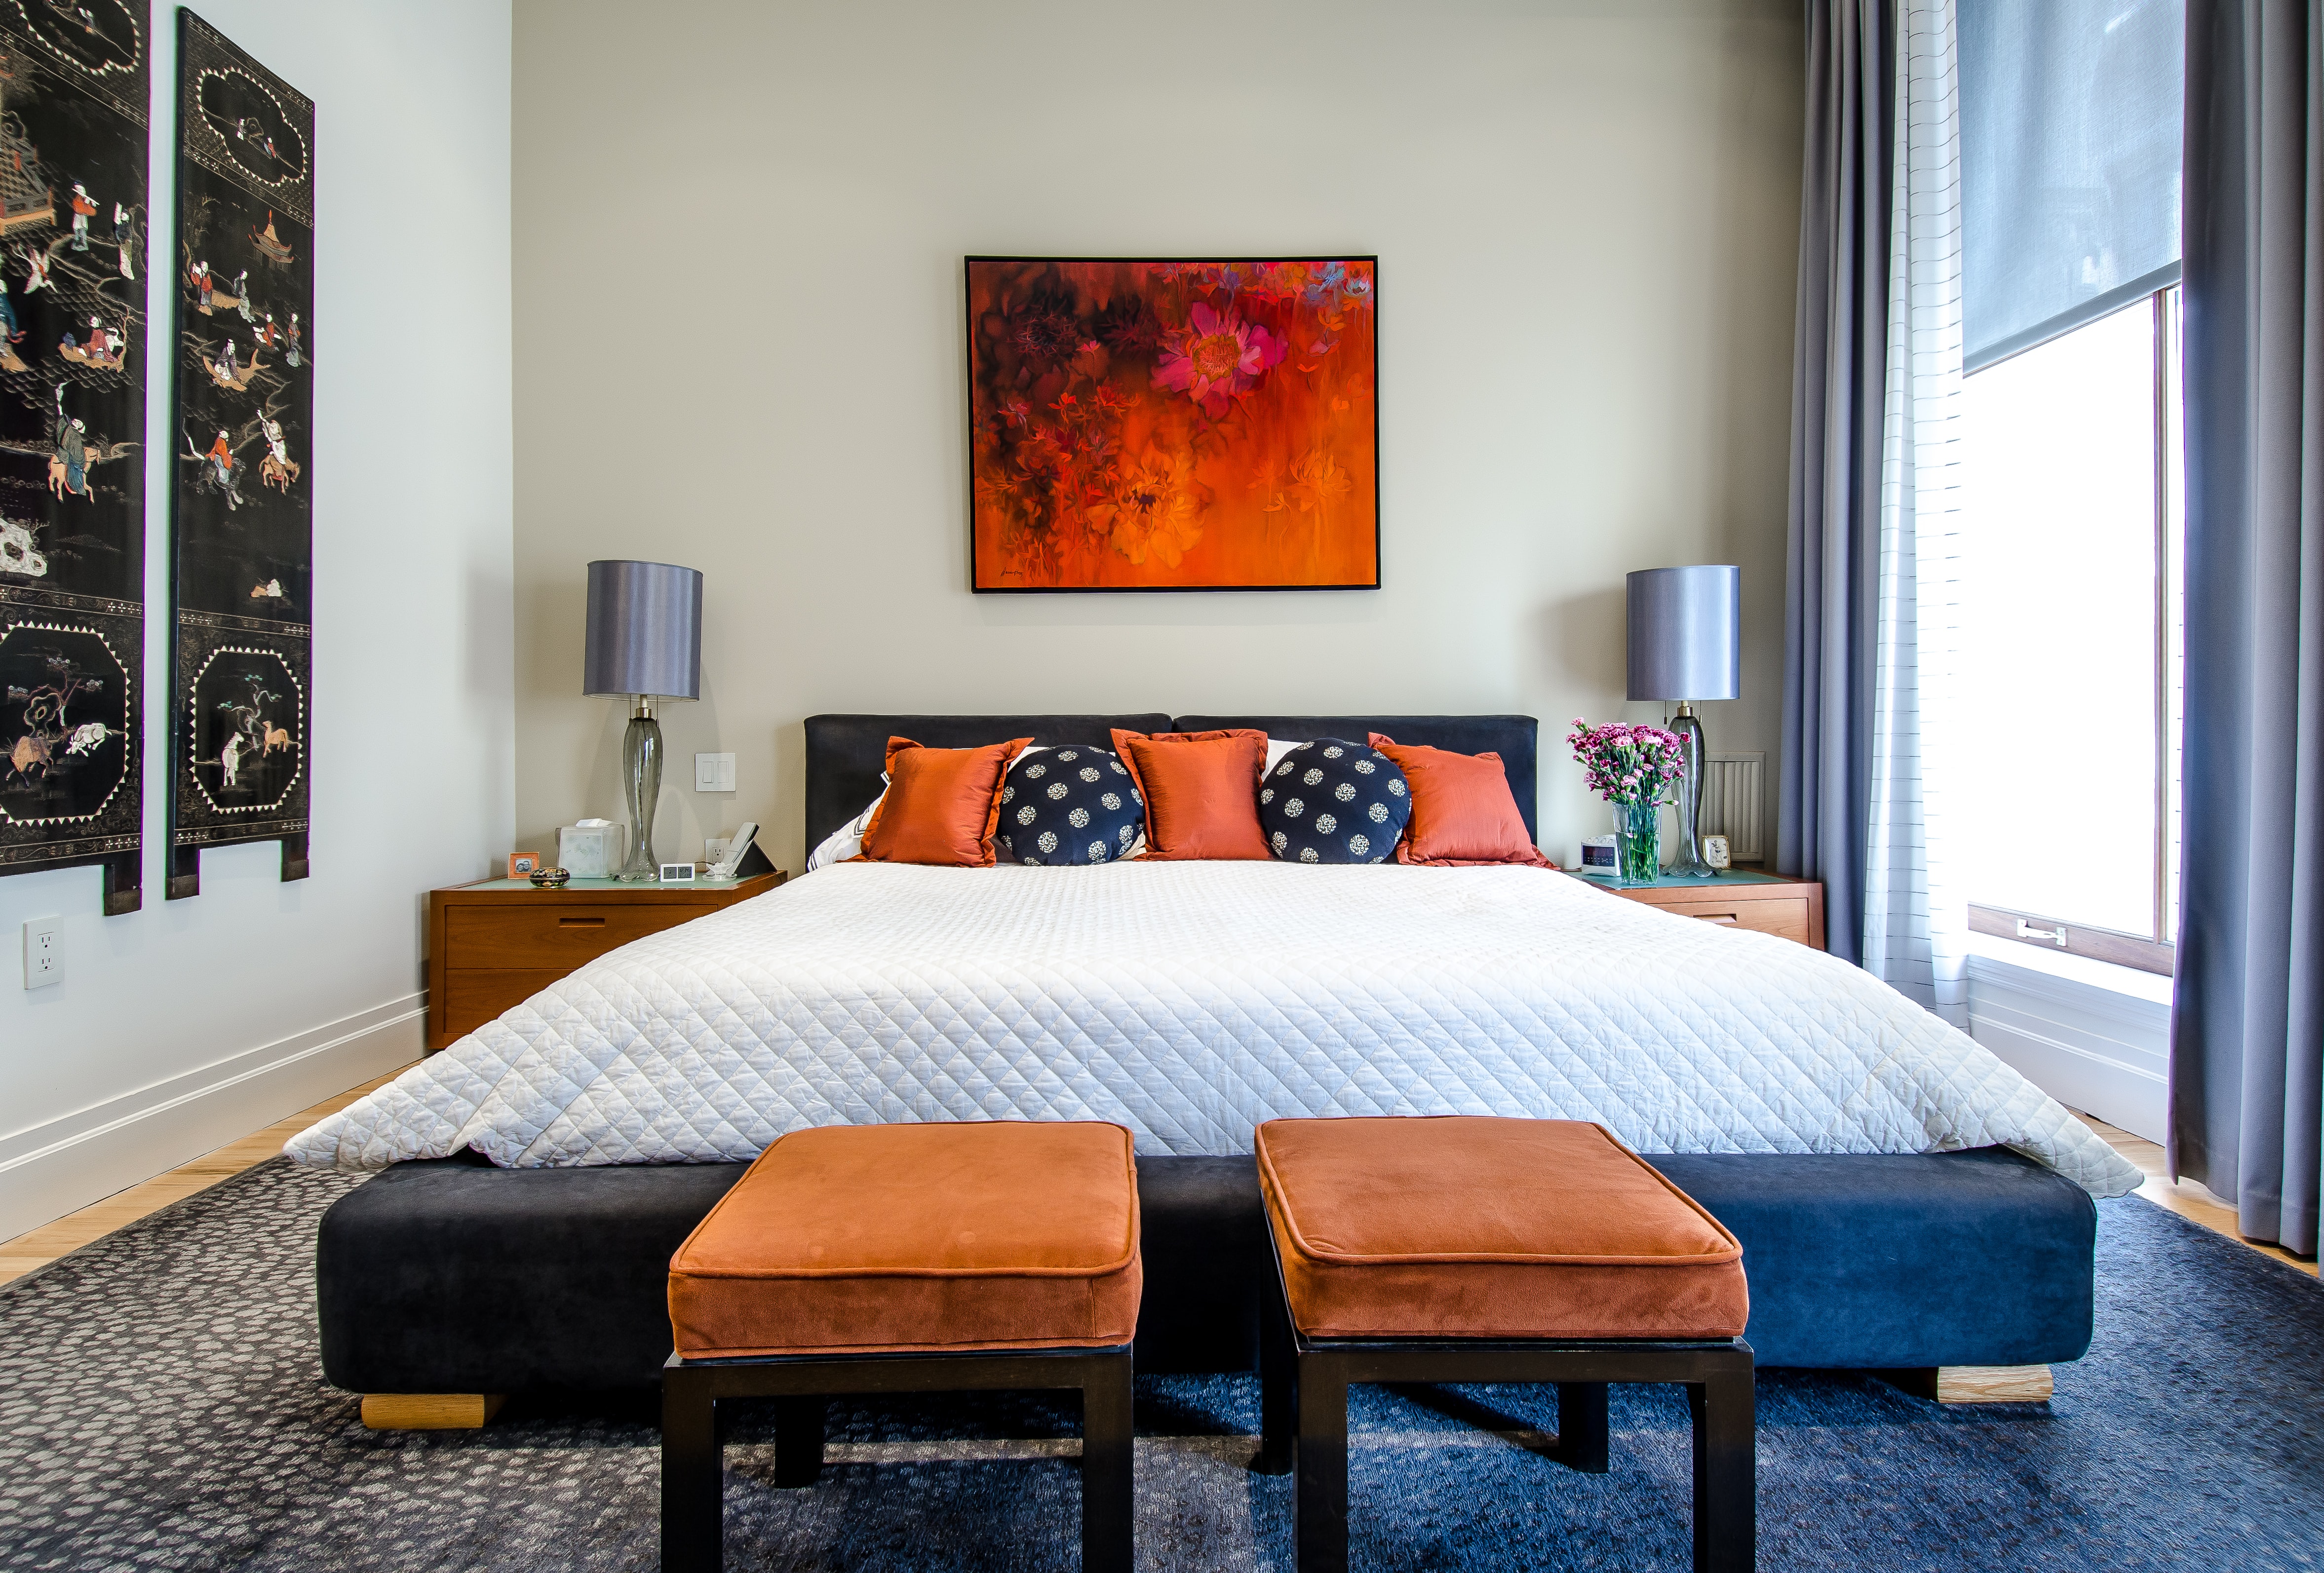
(846, 754)
(454, 1276)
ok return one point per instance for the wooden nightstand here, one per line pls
(1791, 909)
(497, 942)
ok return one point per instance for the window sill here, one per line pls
(1998, 957)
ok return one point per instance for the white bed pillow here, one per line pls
(847, 841)
(1276, 749)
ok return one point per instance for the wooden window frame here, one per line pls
(2142, 952)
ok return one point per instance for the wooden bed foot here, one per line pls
(1974, 1383)
(430, 1411)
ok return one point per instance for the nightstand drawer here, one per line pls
(562, 936)
(474, 998)
(1785, 917)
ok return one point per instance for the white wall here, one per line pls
(738, 236)
(194, 1022)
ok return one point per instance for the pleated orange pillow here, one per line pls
(1462, 810)
(941, 805)
(1201, 790)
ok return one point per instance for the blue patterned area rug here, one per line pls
(162, 1407)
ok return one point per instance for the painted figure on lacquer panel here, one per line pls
(1153, 425)
(247, 721)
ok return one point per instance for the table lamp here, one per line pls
(1686, 643)
(644, 643)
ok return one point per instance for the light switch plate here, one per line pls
(714, 772)
(44, 955)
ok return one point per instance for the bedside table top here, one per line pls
(1727, 881)
(616, 889)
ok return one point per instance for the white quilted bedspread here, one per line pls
(1189, 1001)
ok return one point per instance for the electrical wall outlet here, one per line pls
(44, 953)
(714, 848)
(714, 772)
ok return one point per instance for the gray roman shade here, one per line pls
(2070, 143)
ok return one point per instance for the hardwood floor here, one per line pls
(69, 1233)
(46, 1244)
(2185, 1198)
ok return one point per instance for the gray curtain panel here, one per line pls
(2247, 1027)
(1833, 559)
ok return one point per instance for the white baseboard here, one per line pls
(64, 1165)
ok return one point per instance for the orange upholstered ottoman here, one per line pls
(932, 1257)
(852, 1238)
(1496, 1250)
(1491, 1229)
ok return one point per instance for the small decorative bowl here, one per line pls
(549, 879)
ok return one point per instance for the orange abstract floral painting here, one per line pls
(1174, 425)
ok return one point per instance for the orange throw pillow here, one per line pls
(942, 804)
(1201, 790)
(1462, 810)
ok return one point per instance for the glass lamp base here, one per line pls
(1689, 864)
(641, 783)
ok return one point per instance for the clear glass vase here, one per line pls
(1637, 835)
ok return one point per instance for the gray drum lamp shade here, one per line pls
(1686, 632)
(645, 630)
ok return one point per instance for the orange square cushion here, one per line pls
(1491, 1229)
(941, 804)
(1201, 790)
(1462, 812)
(856, 1238)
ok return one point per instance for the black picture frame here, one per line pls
(242, 483)
(971, 311)
(74, 355)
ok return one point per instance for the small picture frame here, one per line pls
(520, 865)
(1715, 851)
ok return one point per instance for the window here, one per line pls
(2070, 137)
(2071, 488)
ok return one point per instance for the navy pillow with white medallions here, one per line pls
(1070, 805)
(1332, 801)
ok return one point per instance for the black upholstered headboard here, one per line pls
(845, 754)
(1513, 737)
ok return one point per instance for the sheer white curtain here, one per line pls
(1915, 913)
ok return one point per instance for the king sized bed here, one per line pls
(1904, 1200)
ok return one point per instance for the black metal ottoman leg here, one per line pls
(1319, 1511)
(1109, 1503)
(1279, 1384)
(1726, 1469)
(1582, 1426)
(798, 1440)
(693, 1474)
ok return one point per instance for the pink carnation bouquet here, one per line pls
(1629, 765)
